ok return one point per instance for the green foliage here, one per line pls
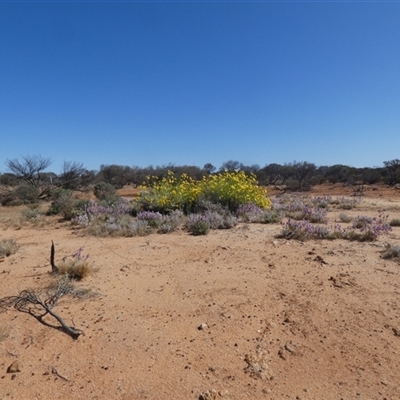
(64, 204)
(28, 194)
(104, 191)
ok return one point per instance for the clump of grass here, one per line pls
(75, 267)
(8, 247)
(395, 222)
(391, 252)
(345, 218)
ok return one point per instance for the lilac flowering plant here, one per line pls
(369, 230)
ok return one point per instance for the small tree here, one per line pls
(303, 171)
(392, 171)
(71, 173)
(231, 166)
(209, 168)
(29, 169)
(30, 172)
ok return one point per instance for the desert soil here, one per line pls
(236, 314)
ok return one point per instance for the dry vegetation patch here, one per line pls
(281, 318)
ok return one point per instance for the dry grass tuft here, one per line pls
(8, 247)
(75, 269)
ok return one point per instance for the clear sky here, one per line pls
(151, 83)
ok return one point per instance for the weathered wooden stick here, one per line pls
(54, 268)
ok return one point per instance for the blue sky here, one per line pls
(152, 83)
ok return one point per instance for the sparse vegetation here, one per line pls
(362, 229)
(395, 222)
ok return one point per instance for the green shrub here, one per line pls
(104, 191)
(64, 204)
(27, 193)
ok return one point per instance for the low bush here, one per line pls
(301, 208)
(32, 214)
(252, 213)
(197, 224)
(362, 229)
(170, 222)
(303, 230)
(28, 194)
(64, 204)
(153, 218)
(105, 191)
(200, 224)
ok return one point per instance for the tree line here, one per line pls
(28, 176)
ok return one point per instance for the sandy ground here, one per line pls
(236, 314)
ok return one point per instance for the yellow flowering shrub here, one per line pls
(230, 189)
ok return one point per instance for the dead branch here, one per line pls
(39, 304)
